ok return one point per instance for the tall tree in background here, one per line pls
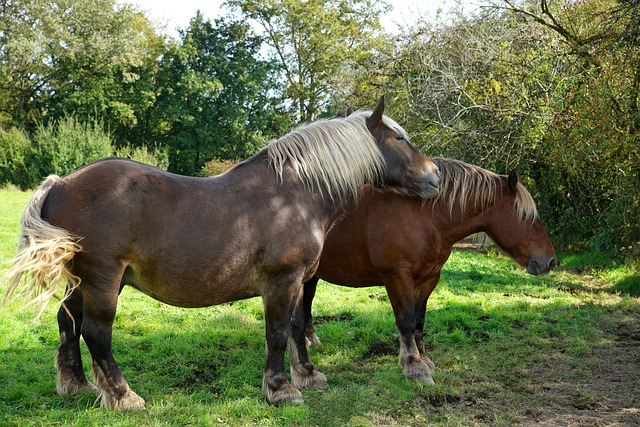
(214, 99)
(472, 87)
(315, 42)
(68, 56)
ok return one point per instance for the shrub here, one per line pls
(65, 145)
(15, 149)
(158, 156)
(216, 167)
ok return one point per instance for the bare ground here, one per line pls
(610, 396)
(609, 393)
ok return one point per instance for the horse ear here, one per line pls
(512, 181)
(376, 117)
(349, 111)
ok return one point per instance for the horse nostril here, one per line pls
(553, 263)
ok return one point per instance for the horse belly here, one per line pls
(351, 269)
(193, 285)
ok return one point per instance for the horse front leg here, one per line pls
(303, 374)
(423, 291)
(70, 376)
(279, 301)
(400, 291)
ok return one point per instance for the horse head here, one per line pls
(517, 229)
(407, 170)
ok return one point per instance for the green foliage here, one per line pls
(158, 157)
(316, 43)
(215, 101)
(216, 167)
(66, 145)
(61, 147)
(15, 149)
(69, 57)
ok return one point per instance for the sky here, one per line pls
(177, 13)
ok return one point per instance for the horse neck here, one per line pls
(257, 171)
(461, 222)
(327, 208)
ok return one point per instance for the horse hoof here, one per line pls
(312, 340)
(426, 379)
(316, 381)
(430, 364)
(71, 389)
(285, 395)
(129, 402)
(421, 376)
(418, 369)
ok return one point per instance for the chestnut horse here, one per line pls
(256, 230)
(402, 243)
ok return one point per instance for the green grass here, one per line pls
(501, 341)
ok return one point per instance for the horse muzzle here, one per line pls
(539, 265)
(430, 183)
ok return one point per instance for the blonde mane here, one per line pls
(465, 183)
(336, 155)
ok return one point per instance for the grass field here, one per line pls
(510, 349)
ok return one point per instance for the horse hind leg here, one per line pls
(424, 290)
(309, 292)
(100, 299)
(70, 376)
(413, 365)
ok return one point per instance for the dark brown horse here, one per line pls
(402, 243)
(257, 229)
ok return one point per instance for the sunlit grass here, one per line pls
(491, 329)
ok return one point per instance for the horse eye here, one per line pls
(399, 138)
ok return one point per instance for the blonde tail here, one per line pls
(41, 267)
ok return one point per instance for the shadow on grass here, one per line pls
(628, 286)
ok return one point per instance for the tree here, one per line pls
(594, 141)
(471, 89)
(214, 96)
(314, 42)
(68, 57)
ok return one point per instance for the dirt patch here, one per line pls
(603, 390)
(317, 320)
(598, 388)
(202, 376)
(609, 397)
(382, 349)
